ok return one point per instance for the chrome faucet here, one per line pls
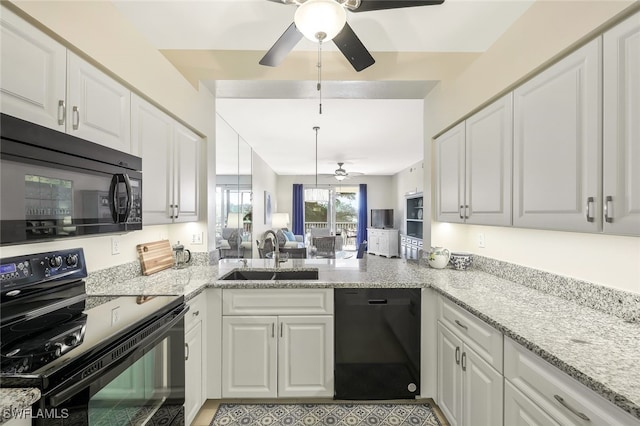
(276, 246)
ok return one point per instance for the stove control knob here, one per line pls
(71, 340)
(72, 260)
(58, 350)
(55, 261)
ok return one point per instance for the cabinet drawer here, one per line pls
(563, 398)
(197, 310)
(312, 301)
(484, 339)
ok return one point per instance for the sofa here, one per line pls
(286, 239)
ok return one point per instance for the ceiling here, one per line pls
(374, 127)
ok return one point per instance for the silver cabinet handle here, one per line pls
(464, 361)
(177, 211)
(608, 209)
(273, 329)
(75, 121)
(186, 357)
(460, 211)
(590, 201)
(570, 408)
(172, 207)
(458, 355)
(196, 313)
(461, 325)
(466, 211)
(62, 111)
(281, 329)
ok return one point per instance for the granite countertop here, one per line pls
(552, 327)
(13, 401)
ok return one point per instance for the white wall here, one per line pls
(264, 179)
(546, 30)
(98, 32)
(380, 190)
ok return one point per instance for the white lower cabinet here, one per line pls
(544, 388)
(521, 411)
(383, 242)
(268, 357)
(469, 389)
(195, 342)
(277, 343)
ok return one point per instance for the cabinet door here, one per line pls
(187, 171)
(193, 397)
(521, 411)
(249, 357)
(482, 391)
(33, 70)
(449, 375)
(489, 144)
(305, 356)
(622, 128)
(557, 171)
(98, 107)
(152, 140)
(450, 175)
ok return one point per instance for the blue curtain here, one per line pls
(362, 214)
(297, 222)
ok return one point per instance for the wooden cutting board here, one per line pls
(155, 256)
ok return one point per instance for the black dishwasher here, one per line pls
(377, 343)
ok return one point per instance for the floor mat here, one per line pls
(352, 414)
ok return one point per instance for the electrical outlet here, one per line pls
(196, 238)
(481, 240)
(115, 245)
(115, 315)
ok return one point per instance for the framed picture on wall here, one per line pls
(267, 208)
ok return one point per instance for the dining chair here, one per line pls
(325, 247)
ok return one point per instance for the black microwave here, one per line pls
(54, 185)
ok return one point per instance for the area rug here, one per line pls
(339, 414)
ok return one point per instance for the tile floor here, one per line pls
(209, 408)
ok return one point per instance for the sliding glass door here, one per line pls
(334, 209)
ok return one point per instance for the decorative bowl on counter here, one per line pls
(461, 260)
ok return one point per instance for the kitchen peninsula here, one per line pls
(597, 349)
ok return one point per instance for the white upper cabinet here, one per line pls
(473, 163)
(44, 83)
(450, 153)
(621, 128)
(33, 69)
(171, 156)
(187, 155)
(98, 107)
(557, 168)
(489, 143)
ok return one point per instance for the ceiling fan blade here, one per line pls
(367, 5)
(282, 46)
(353, 49)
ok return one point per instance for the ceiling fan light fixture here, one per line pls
(320, 20)
(340, 177)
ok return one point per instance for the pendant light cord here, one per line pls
(316, 128)
(319, 86)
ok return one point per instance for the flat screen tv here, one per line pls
(382, 218)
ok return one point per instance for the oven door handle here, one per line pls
(108, 360)
(117, 213)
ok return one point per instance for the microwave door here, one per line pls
(42, 202)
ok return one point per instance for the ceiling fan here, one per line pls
(341, 174)
(320, 20)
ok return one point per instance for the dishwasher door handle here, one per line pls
(377, 301)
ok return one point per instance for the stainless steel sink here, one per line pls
(261, 275)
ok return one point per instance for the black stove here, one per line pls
(79, 358)
(43, 298)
